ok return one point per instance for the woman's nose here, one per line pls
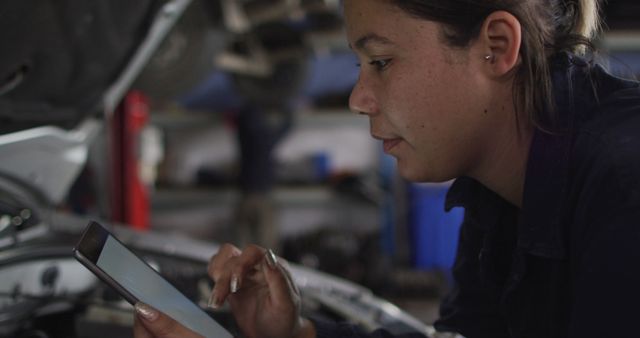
(361, 100)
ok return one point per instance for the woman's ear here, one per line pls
(500, 39)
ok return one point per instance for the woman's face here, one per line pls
(426, 101)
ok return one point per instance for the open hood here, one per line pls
(60, 56)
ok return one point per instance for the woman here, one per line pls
(546, 149)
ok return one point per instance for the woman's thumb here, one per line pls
(280, 287)
(161, 325)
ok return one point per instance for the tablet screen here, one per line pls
(146, 285)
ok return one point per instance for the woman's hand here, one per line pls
(150, 323)
(263, 298)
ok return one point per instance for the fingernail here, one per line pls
(216, 304)
(234, 284)
(272, 259)
(211, 298)
(146, 311)
(214, 301)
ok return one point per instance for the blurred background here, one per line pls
(238, 130)
(245, 136)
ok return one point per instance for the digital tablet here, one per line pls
(135, 280)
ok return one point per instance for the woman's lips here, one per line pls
(390, 144)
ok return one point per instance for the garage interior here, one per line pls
(237, 129)
(336, 202)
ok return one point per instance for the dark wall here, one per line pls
(622, 14)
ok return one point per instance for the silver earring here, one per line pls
(488, 57)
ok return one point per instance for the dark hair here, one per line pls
(548, 27)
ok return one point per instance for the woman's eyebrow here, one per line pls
(364, 41)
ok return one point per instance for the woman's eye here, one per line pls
(380, 64)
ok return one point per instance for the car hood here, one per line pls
(60, 56)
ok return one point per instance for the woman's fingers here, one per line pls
(153, 323)
(260, 291)
(251, 256)
(281, 290)
(218, 261)
(218, 271)
(229, 268)
(139, 331)
(287, 274)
